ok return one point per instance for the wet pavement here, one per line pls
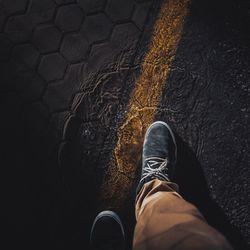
(68, 71)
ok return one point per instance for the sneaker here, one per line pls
(159, 154)
(107, 232)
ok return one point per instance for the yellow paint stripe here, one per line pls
(143, 103)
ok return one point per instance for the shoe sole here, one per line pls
(110, 214)
(170, 131)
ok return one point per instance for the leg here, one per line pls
(164, 219)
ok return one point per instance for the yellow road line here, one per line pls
(144, 101)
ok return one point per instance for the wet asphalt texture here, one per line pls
(67, 68)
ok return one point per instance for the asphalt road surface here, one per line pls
(80, 82)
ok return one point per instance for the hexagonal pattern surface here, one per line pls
(69, 18)
(34, 89)
(64, 1)
(13, 6)
(47, 39)
(15, 28)
(119, 9)
(52, 67)
(90, 6)
(41, 11)
(96, 28)
(46, 68)
(26, 54)
(124, 34)
(74, 47)
(140, 14)
(59, 93)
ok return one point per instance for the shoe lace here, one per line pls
(155, 167)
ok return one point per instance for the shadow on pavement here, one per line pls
(193, 187)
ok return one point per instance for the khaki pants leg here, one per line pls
(166, 221)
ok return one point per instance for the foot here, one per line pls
(107, 232)
(159, 154)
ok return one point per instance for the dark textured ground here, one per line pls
(209, 94)
(67, 68)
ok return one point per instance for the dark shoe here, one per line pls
(107, 232)
(159, 154)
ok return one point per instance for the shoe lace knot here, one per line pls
(155, 167)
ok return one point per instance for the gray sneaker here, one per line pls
(159, 154)
(107, 232)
